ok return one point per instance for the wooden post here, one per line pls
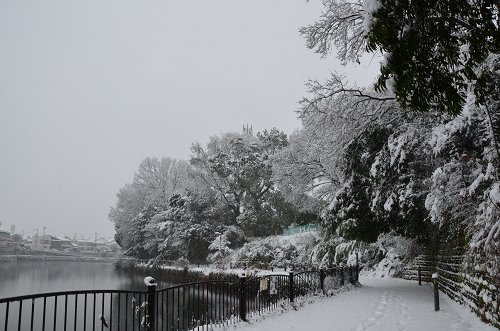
(435, 279)
(419, 276)
(322, 280)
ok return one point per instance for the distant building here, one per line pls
(28, 241)
(4, 240)
(98, 246)
(87, 247)
(55, 243)
(40, 243)
(15, 241)
(69, 244)
(45, 243)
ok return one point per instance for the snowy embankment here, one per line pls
(379, 305)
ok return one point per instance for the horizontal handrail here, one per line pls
(305, 272)
(61, 293)
(78, 292)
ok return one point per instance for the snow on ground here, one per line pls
(379, 305)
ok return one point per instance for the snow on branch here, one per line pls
(341, 26)
(337, 87)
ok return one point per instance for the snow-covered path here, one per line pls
(379, 305)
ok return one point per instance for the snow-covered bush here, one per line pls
(277, 251)
(220, 250)
(389, 255)
(385, 257)
(235, 237)
(182, 263)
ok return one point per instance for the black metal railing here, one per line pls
(193, 306)
(74, 310)
(196, 305)
(264, 293)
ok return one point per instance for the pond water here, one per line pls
(30, 277)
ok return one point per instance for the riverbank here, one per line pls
(62, 258)
(192, 273)
(176, 274)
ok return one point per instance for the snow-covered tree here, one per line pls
(385, 184)
(153, 184)
(238, 170)
(434, 51)
(438, 57)
(219, 249)
(182, 229)
(157, 179)
(142, 239)
(234, 167)
(314, 163)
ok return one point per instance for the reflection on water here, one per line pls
(29, 277)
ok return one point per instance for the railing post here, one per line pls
(436, 291)
(342, 277)
(322, 280)
(291, 287)
(151, 308)
(243, 297)
(419, 276)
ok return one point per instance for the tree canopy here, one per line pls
(434, 50)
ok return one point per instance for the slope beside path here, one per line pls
(379, 305)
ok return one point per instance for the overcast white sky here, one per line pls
(89, 88)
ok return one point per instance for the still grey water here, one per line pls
(178, 308)
(29, 277)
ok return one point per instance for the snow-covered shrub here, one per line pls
(388, 255)
(182, 263)
(277, 251)
(323, 254)
(220, 250)
(331, 283)
(235, 236)
(385, 257)
(222, 246)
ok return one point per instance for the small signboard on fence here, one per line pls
(263, 284)
(272, 285)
